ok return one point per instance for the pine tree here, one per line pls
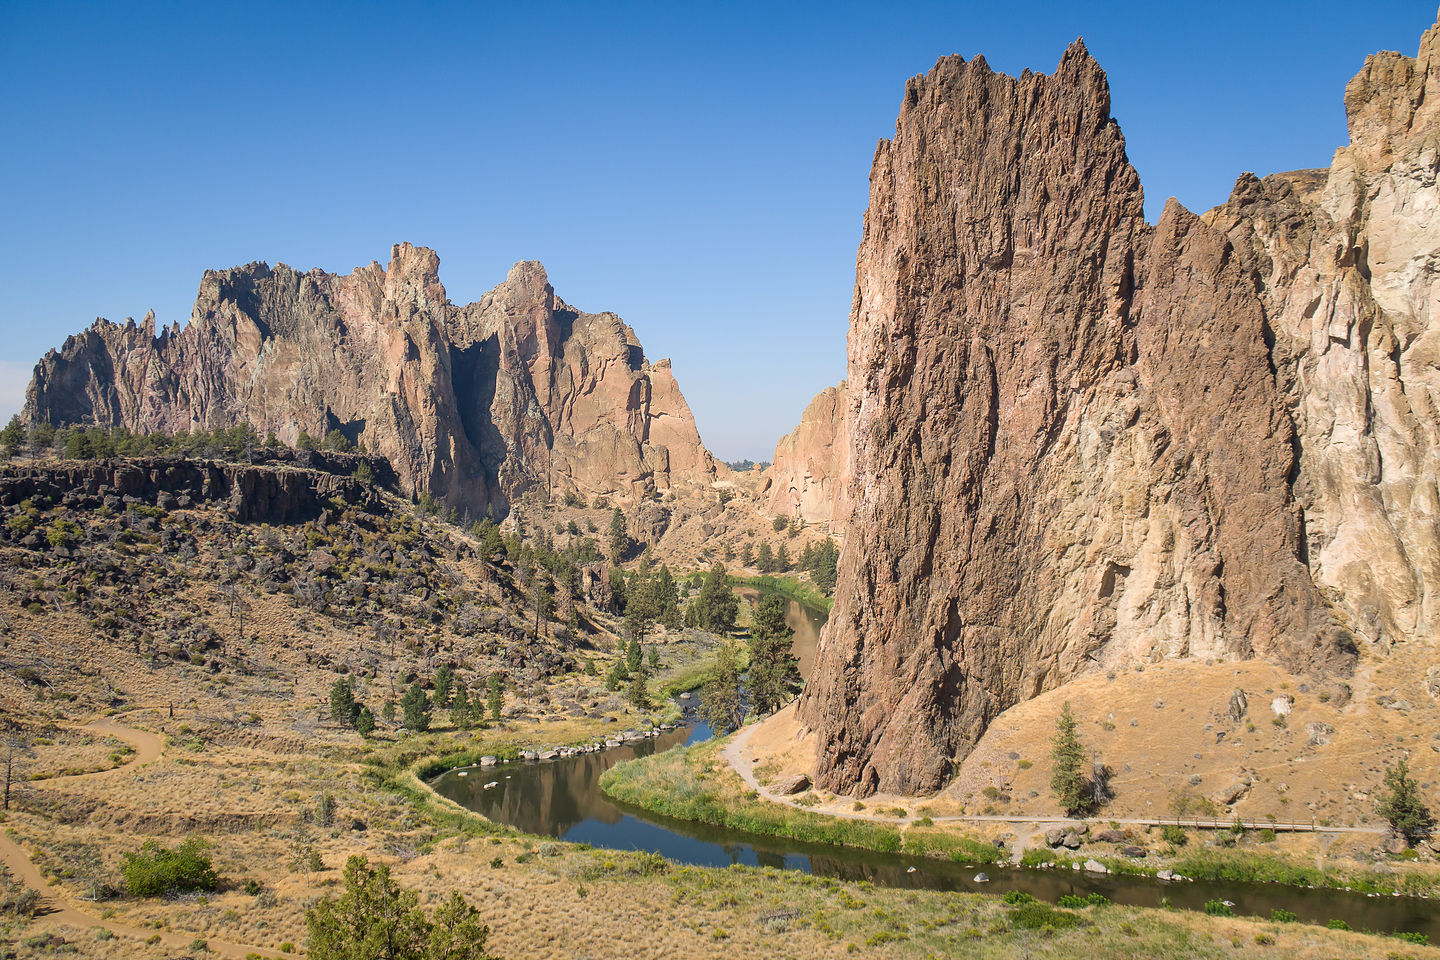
(460, 715)
(343, 707)
(721, 706)
(619, 537)
(718, 605)
(416, 707)
(12, 436)
(365, 722)
(773, 671)
(1400, 804)
(638, 692)
(444, 679)
(1068, 758)
(495, 698)
(765, 559)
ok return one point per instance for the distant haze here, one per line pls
(701, 170)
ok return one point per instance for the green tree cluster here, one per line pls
(821, 561)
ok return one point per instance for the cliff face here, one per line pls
(807, 473)
(1078, 441)
(478, 403)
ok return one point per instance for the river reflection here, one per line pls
(562, 798)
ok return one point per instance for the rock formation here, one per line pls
(476, 403)
(808, 470)
(1078, 441)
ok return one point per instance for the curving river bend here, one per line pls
(562, 798)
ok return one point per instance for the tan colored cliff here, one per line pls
(479, 403)
(1080, 441)
(807, 473)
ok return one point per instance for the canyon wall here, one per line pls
(1079, 441)
(478, 403)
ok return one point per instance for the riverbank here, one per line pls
(802, 592)
(700, 783)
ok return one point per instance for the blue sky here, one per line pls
(700, 169)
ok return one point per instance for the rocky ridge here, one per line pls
(479, 403)
(1079, 441)
(807, 473)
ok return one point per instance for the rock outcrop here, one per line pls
(1079, 441)
(478, 403)
(807, 473)
(287, 488)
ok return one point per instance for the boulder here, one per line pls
(1239, 705)
(1055, 836)
(1134, 852)
(789, 786)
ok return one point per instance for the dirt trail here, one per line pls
(734, 754)
(57, 909)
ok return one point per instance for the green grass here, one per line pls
(802, 592)
(945, 845)
(686, 784)
(695, 784)
(1239, 866)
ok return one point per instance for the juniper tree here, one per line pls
(1400, 804)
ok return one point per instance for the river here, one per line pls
(562, 798)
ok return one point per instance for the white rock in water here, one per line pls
(492, 783)
(979, 877)
(1095, 866)
(462, 773)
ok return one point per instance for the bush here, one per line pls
(1017, 897)
(155, 870)
(1282, 916)
(1219, 908)
(1410, 936)
(1338, 925)
(1173, 835)
(1033, 916)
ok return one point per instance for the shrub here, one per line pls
(1282, 916)
(1410, 936)
(1264, 939)
(1033, 916)
(154, 870)
(1219, 908)
(1338, 925)
(1173, 835)
(1017, 897)
(1267, 835)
